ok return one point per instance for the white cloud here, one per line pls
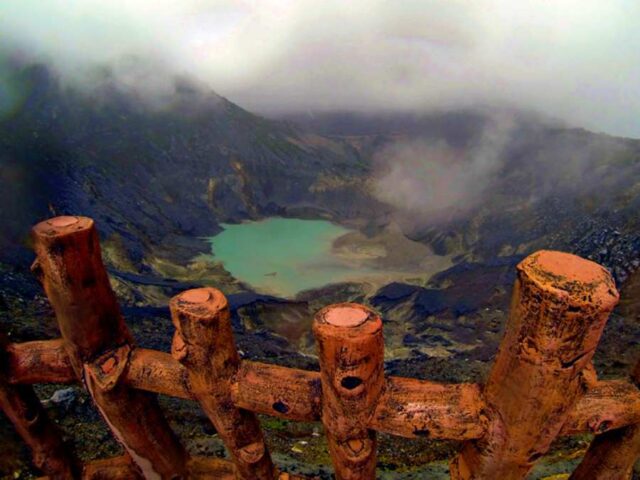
(574, 59)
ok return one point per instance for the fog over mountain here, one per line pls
(432, 182)
(578, 61)
(402, 155)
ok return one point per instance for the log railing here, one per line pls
(542, 384)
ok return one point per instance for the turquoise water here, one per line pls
(282, 255)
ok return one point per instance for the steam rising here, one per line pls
(513, 165)
(432, 182)
(572, 59)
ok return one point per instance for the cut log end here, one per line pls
(345, 317)
(60, 226)
(61, 222)
(203, 303)
(199, 295)
(582, 281)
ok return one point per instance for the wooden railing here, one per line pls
(541, 386)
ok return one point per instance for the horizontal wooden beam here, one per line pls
(23, 409)
(414, 408)
(200, 468)
(408, 407)
(157, 372)
(41, 361)
(607, 405)
(279, 391)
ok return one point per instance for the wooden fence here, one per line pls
(542, 384)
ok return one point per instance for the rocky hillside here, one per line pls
(158, 177)
(549, 186)
(152, 173)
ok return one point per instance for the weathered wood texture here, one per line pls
(43, 361)
(200, 468)
(98, 343)
(116, 468)
(542, 384)
(204, 344)
(612, 455)
(455, 410)
(23, 408)
(351, 354)
(157, 372)
(607, 405)
(560, 305)
(279, 391)
(416, 408)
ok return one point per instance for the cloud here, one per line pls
(577, 60)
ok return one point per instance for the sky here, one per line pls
(574, 60)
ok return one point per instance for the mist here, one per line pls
(432, 182)
(435, 182)
(578, 61)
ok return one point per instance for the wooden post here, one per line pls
(204, 344)
(99, 343)
(612, 455)
(560, 305)
(23, 408)
(351, 350)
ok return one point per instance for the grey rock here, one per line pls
(64, 397)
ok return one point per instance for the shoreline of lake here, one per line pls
(285, 256)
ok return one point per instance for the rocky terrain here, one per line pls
(159, 178)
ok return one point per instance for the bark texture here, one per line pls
(560, 305)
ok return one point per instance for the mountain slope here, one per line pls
(535, 184)
(147, 173)
(157, 177)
